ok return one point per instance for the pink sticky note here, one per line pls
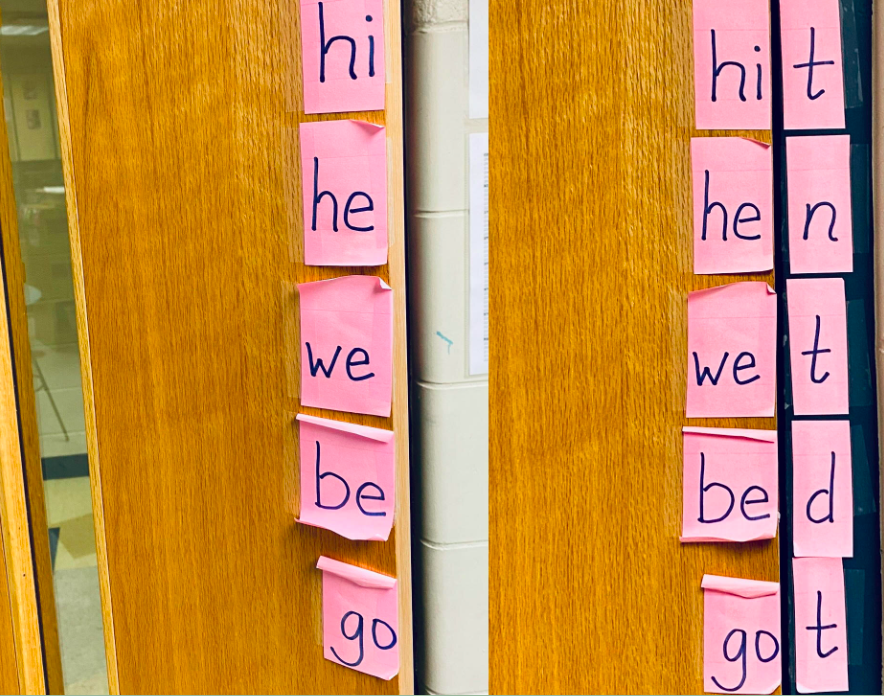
(813, 80)
(733, 205)
(730, 484)
(741, 636)
(347, 478)
(820, 625)
(360, 618)
(732, 64)
(343, 49)
(732, 351)
(822, 489)
(347, 345)
(344, 186)
(818, 345)
(820, 222)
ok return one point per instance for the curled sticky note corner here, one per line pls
(359, 576)
(758, 435)
(749, 589)
(375, 434)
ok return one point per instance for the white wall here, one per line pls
(450, 408)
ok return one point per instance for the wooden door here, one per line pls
(183, 182)
(592, 115)
(8, 670)
(30, 655)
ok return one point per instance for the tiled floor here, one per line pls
(61, 370)
(80, 630)
(69, 508)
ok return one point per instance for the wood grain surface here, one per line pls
(9, 683)
(20, 577)
(25, 530)
(178, 125)
(591, 264)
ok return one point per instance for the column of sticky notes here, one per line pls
(347, 471)
(730, 475)
(820, 242)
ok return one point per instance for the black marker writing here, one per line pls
(810, 65)
(816, 350)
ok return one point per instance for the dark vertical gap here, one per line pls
(419, 648)
(780, 262)
(862, 573)
(778, 143)
(21, 444)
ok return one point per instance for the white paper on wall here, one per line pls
(478, 253)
